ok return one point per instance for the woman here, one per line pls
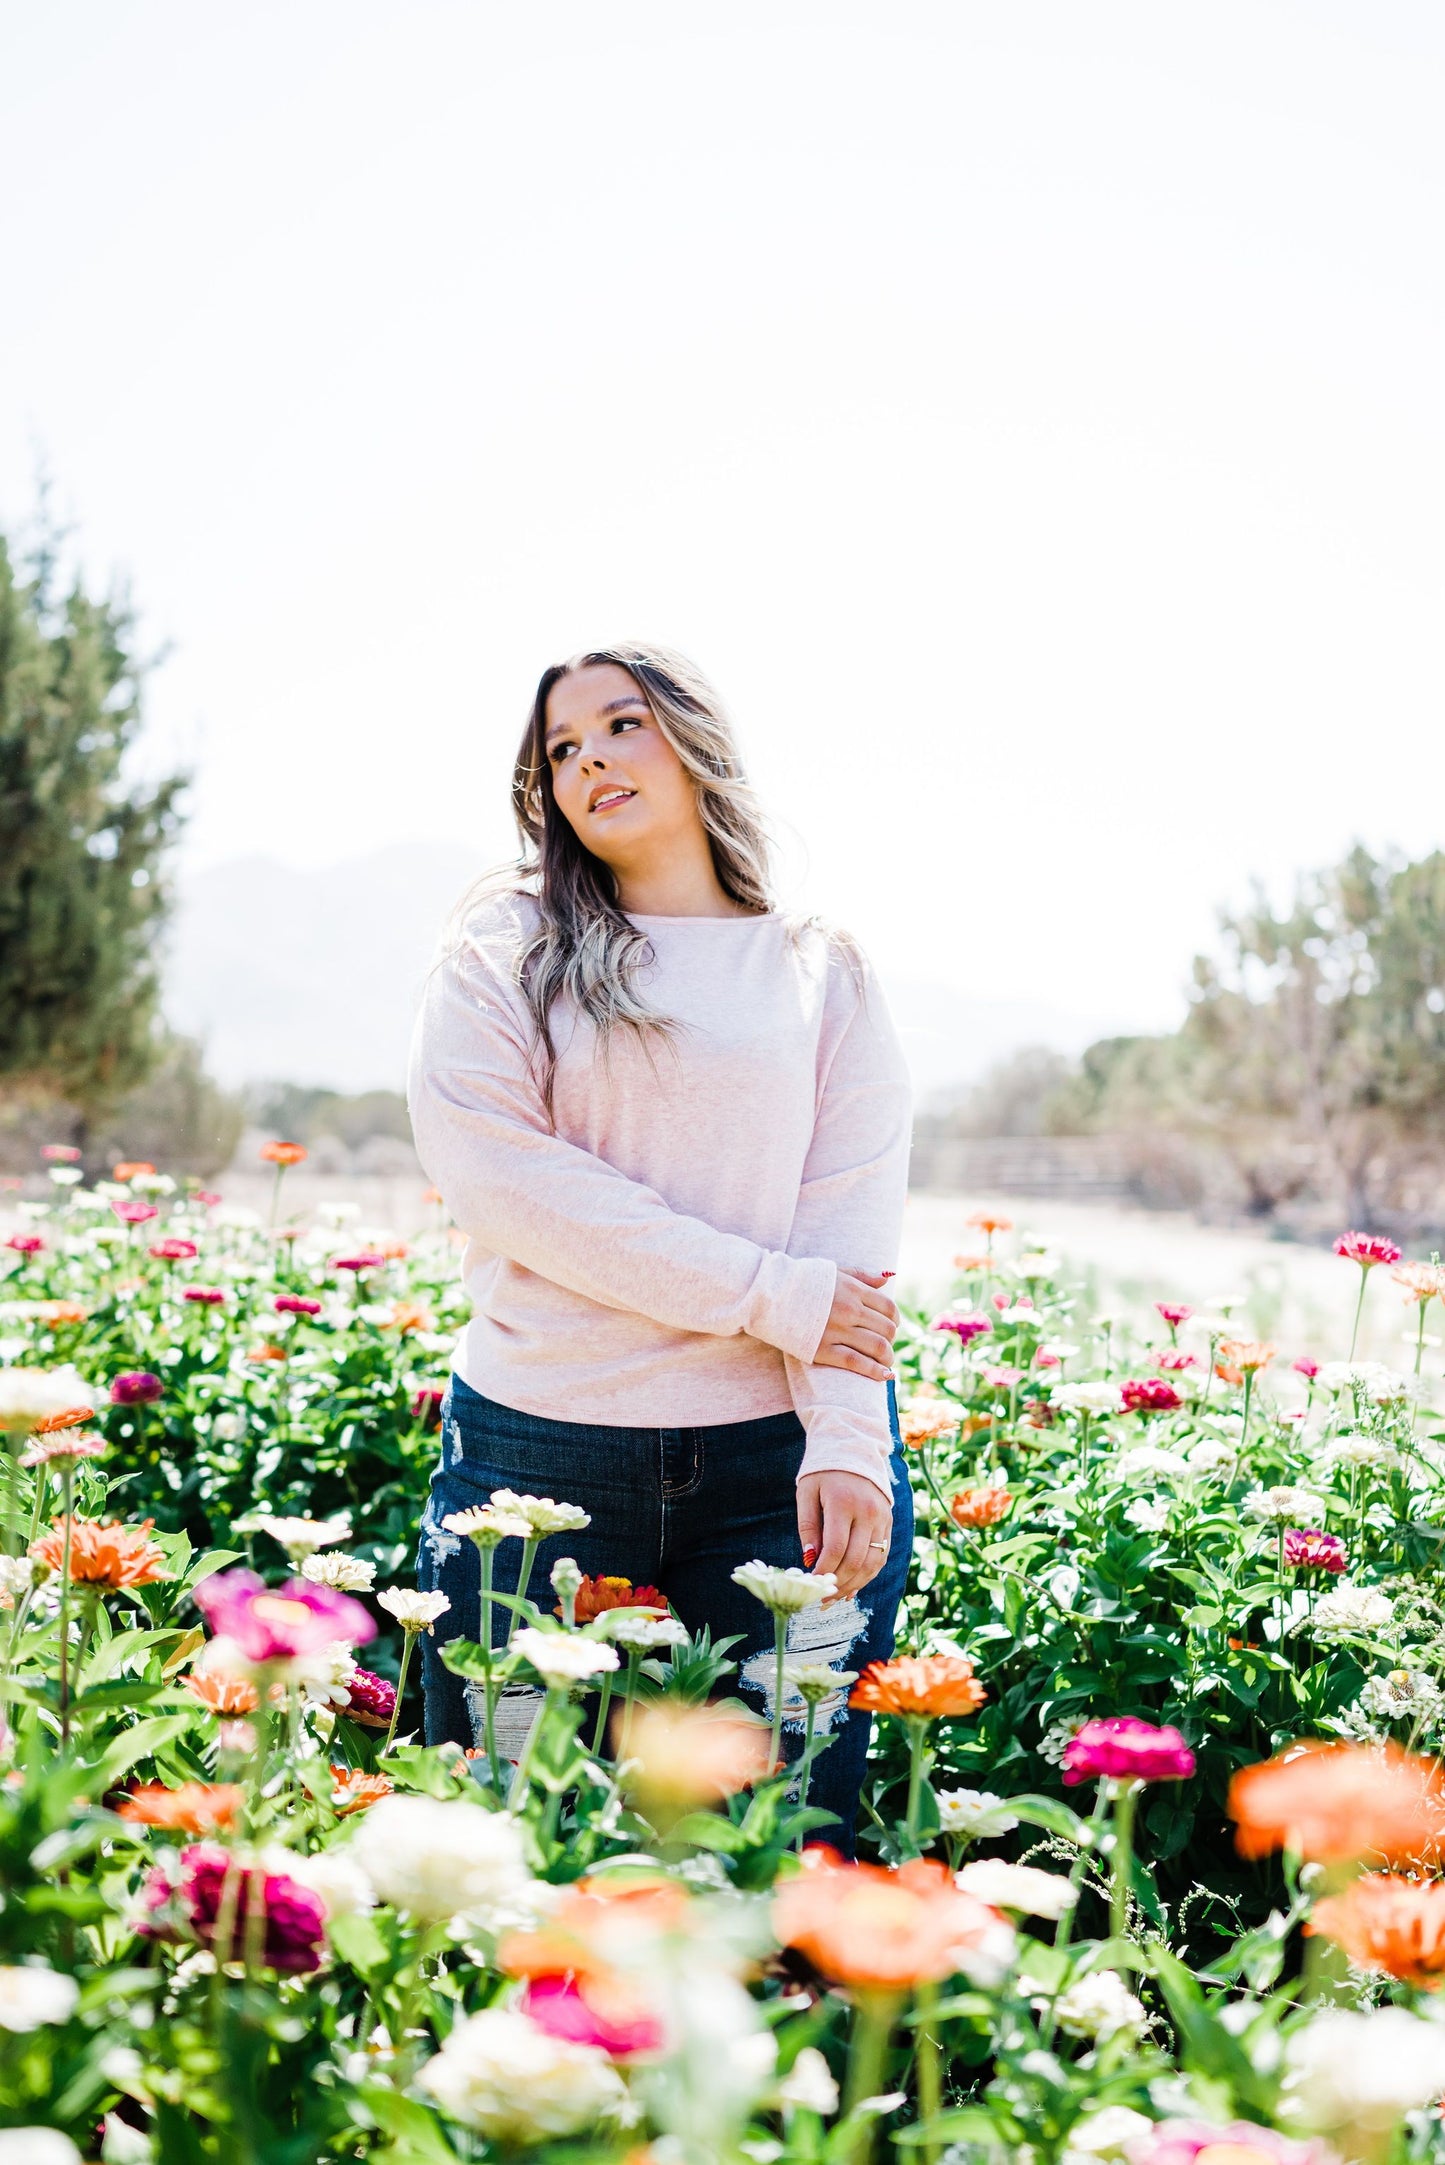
(672, 1124)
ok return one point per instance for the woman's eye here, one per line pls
(626, 721)
(557, 752)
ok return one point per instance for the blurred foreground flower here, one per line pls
(213, 1888)
(274, 1625)
(1331, 1803)
(880, 1930)
(31, 1995)
(1387, 1923)
(31, 1397)
(437, 1859)
(503, 2075)
(682, 1756)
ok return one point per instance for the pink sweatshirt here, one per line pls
(667, 1257)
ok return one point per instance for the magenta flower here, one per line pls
(205, 1196)
(295, 1919)
(1127, 1750)
(1174, 1313)
(963, 1324)
(1181, 2142)
(1149, 1394)
(61, 1153)
(1307, 1368)
(372, 1701)
(135, 1213)
(292, 1304)
(1002, 1378)
(559, 2006)
(426, 1407)
(209, 1296)
(173, 1250)
(1367, 1249)
(25, 1243)
(1176, 1362)
(137, 1387)
(1307, 1548)
(273, 1623)
(366, 1261)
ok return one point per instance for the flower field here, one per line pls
(1151, 1848)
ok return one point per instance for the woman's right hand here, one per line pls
(861, 1326)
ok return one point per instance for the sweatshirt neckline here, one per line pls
(753, 917)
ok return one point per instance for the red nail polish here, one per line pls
(810, 1557)
(888, 1274)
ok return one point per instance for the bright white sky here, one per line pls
(1030, 416)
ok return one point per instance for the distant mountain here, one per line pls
(312, 976)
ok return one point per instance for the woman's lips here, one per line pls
(605, 804)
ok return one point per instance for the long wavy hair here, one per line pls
(584, 947)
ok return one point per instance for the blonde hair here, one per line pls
(584, 948)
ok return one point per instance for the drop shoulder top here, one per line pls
(666, 1254)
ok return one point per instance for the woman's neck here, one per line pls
(676, 890)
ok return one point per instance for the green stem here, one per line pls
(524, 1580)
(406, 1645)
(867, 2058)
(1359, 1306)
(604, 1701)
(1123, 1857)
(66, 1476)
(917, 1739)
(634, 1657)
(930, 2070)
(809, 1719)
(523, 1775)
(780, 1645)
(1244, 1427)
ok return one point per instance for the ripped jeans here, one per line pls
(675, 1508)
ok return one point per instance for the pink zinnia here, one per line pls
(137, 1387)
(1174, 1313)
(1176, 1362)
(1307, 1548)
(61, 1153)
(1307, 1368)
(1128, 1750)
(1002, 1379)
(371, 1701)
(295, 1918)
(25, 1243)
(206, 1196)
(135, 1213)
(368, 1261)
(209, 1296)
(1181, 2142)
(293, 1304)
(559, 2006)
(1367, 1249)
(962, 1324)
(1149, 1394)
(173, 1251)
(274, 1623)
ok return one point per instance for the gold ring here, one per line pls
(878, 1544)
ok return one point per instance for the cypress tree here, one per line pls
(82, 892)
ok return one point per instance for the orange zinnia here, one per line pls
(224, 1694)
(71, 1418)
(1387, 1923)
(880, 1930)
(990, 1222)
(920, 1686)
(353, 1789)
(596, 1596)
(409, 1316)
(194, 1808)
(687, 1755)
(1246, 1355)
(103, 1555)
(979, 1506)
(973, 1262)
(283, 1153)
(1334, 1802)
(129, 1168)
(267, 1353)
(57, 1312)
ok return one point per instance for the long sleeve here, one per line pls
(483, 1138)
(850, 1208)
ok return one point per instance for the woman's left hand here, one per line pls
(844, 1524)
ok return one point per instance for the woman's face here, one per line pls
(617, 781)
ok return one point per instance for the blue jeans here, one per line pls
(675, 1508)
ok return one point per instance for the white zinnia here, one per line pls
(32, 1994)
(17, 1576)
(1150, 1514)
(1382, 1386)
(301, 1536)
(542, 1515)
(502, 2074)
(639, 1628)
(1099, 2006)
(413, 1610)
(975, 1813)
(783, 1588)
(485, 1525)
(1363, 2071)
(436, 1858)
(1017, 1886)
(562, 1657)
(343, 1574)
(324, 1677)
(809, 2086)
(1349, 1611)
(36, 2146)
(1355, 1449)
(1110, 2133)
(29, 1396)
(333, 1874)
(1211, 1456)
(1090, 1398)
(1285, 1506)
(1149, 1462)
(1401, 1692)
